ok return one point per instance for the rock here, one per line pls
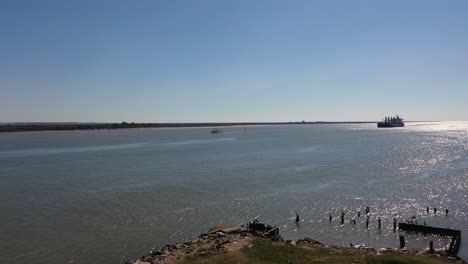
(220, 234)
(234, 230)
(166, 248)
(384, 250)
(141, 262)
(224, 242)
(219, 228)
(311, 241)
(219, 247)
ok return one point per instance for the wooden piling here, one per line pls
(454, 234)
(402, 242)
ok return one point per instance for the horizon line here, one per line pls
(209, 122)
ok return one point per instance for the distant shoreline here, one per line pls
(58, 126)
(23, 127)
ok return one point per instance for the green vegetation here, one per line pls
(265, 251)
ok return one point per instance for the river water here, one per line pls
(106, 196)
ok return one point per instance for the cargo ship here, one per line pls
(391, 121)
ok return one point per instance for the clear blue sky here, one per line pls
(208, 61)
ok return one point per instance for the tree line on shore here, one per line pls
(92, 126)
(18, 127)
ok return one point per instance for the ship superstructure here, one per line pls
(391, 121)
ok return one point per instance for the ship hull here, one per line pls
(381, 125)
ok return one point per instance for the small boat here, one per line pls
(216, 131)
(391, 122)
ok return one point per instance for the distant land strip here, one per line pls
(21, 127)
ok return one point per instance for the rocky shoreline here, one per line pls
(214, 241)
(227, 239)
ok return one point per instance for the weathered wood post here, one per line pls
(431, 246)
(402, 242)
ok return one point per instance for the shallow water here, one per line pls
(109, 196)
